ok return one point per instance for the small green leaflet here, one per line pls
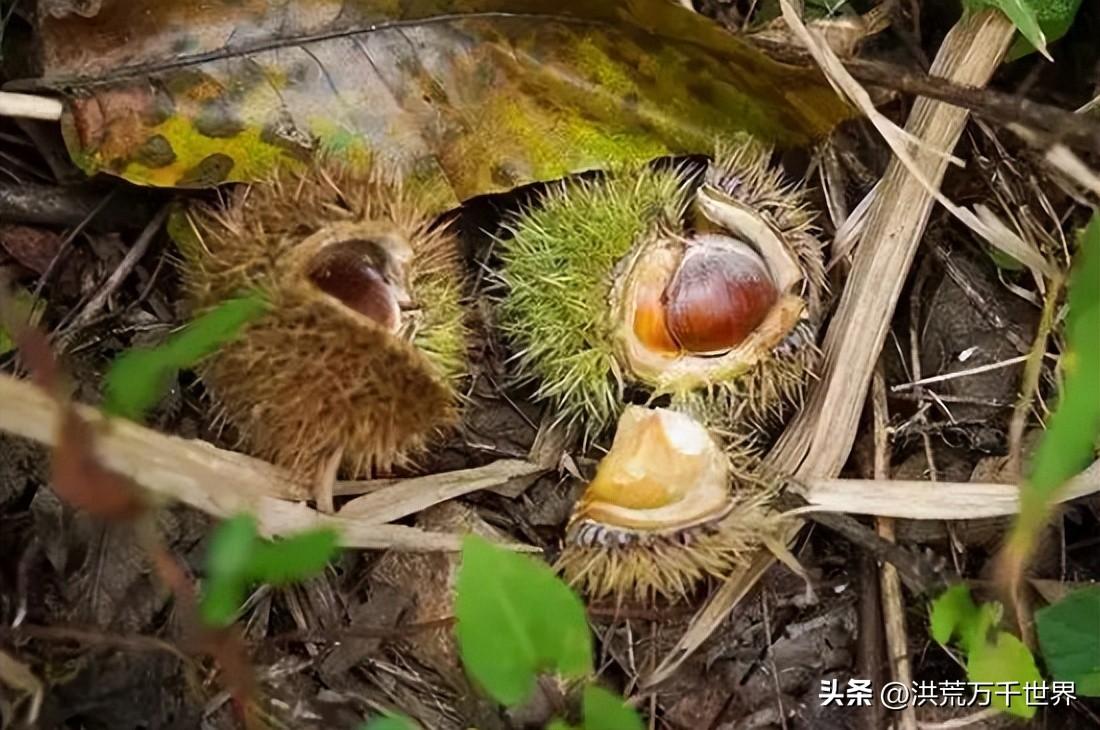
(992, 655)
(954, 615)
(237, 558)
(227, 569)
(295, 558)
(393, 722)
(951, 610)
(604, 710)
(515, 620)
(1069, 633)
(1023, 15)
(139, 377)
(1055, 18)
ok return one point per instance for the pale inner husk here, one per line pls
(664, 473)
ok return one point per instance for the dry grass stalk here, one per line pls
(818, 441)
(30, 106)
(196, 473)
(821, 436)
(410, 496)
(922, 500)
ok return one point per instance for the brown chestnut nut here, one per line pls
(720, 294)
(349, 271)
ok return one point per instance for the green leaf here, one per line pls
(950, 611)
(221, 599)
(1055, 18)
(1069, 442)
(515, 620)
(1023, 15)
(227, 565)
(237, 558)
(138, 378)
(1069, 634)
(231, 547)
(296, 558)
(1004, 659)
(604, 710)
(955, 615)
(391, 722)
(996, 658)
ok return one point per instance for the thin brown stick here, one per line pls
(129, 261)
(1056, 124)
(770, 653)
(870, 662)
(93, 637)
(893, 604)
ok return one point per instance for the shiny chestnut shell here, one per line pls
(715, 297)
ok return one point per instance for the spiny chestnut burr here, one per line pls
(659, 516)
(705, 289)
(359, 354)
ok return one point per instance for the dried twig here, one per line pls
(129, 261)
(959, 374)
(997, 107)
(893, 604)
(68, 206)
(1030, 381)
(30, 106)
(921, 500)
(410, 496)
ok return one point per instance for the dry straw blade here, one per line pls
(922, 500)
(192, 471)
(196, 473)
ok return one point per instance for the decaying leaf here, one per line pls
(472, 96)
(32, 247)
